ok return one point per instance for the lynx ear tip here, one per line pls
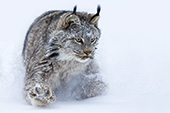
(74, 9)
(98, 9)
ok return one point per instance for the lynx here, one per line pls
(59, 48)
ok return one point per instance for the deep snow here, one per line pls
(133, 53)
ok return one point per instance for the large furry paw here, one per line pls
(41, 95)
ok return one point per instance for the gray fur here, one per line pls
(54, 56)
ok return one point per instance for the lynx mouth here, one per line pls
(84, 57)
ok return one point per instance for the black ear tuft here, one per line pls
(74, 10)
(98, 10)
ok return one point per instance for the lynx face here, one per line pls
(79, 38)
(83, 41)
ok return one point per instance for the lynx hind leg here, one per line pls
(41, 95)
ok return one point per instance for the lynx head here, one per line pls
(78, 35)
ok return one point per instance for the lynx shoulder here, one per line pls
(59, 48)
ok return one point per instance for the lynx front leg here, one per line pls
(37, 86)
(92, 87)
(92, 83)
(87, 87)
(41, 95)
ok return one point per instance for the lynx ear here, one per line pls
(67, 19)
(94, 19)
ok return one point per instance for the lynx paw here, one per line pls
(41, 95)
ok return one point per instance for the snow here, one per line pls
(133, 53)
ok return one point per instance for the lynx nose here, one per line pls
(87, 52)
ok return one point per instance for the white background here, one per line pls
(134, 55)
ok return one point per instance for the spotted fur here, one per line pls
(60, 46)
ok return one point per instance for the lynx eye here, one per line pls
(93, 40)
(79, 40)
